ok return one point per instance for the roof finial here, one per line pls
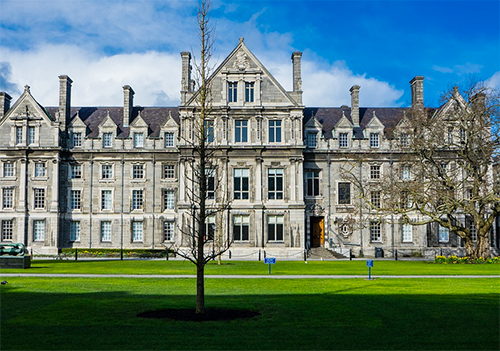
(27, 88)
(242, 39)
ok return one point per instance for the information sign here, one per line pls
(270, 261)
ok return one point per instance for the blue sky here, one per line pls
(379, 45)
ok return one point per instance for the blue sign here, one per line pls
(369, 263)
(270, 260)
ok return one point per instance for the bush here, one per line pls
(111, 253)
(465, 260)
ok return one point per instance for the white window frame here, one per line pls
(407, 232)
(106, 171)
(169, 199)
(74, 230)
(241, 225)
(137, 199)
(138, 171)
(405, 172)
(138, 140)
(7, 230)
(31, 135)
(39, 198)
(106, 231)
(313, 181)
(75, 171)
(275, 131)
(232, 92)
(168, 171)
(106, 200)
(107, 140)
(249, 91)
(75, 200)
(168, 230)
(375, 232)
(375, 171)
(40, 170)
(169, 139)
(239, 176)
(376, 198)
(137, 231)
(374, 140)
(312, 140)
(241, 131)
(443, 234)
(8, 169)
(277, 223)
(76, 139)
(19, 135)
(274, 176)
(7, 198)
(38, 230)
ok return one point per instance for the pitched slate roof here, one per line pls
(155, 117)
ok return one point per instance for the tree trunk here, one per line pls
(469, 247)
(482, 246)
(200, 289)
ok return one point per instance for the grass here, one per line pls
(346, 314)
(340, 267)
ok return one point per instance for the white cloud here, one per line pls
(97, 81)
(494, 81)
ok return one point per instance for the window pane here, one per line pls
(344, 193)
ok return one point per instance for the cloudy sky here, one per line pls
(379, 45)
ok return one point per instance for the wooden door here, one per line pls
(317, 231)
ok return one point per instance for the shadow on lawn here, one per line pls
(108, 321)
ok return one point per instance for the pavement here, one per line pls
(266, 276)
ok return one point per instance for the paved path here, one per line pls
(267, 276)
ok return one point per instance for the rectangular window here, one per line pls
(404, 140)
(19, 135)
(137, 231)
(169, 139)
(472, 229)
(107, 140)
(375, 233)
(7, 198)
(275, 131)
(210, 173)
(31, 135)
(312, 140)
(106, 199)
(210, 228)
(275, 183)
(168, 199)
(407, 229)
(39, 169)
(275, 228)
(343, 140)
(74, 231)
(232, 91)
(137, 200)
(107, 172)
(443, 234)
(7, 229)
(375, 199)
(209, 131)
(405, 172)
(241, 183)
(450, 136)
(8, 169)
(168, 171)
(138, 171)
(76, 139)
(76, 171)
(249, 92)
(241, 225)
(39, 230)
(312, 181)
(39, 198)
(374, 172)
(240, 131)
(76, 200)
(168, 230)
(406, 200)
(374, 140)
(344, 193)
(106, 231)
(138, 140)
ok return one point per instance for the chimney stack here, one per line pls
(186, 85)
(128, 104)
(355, 104)
(297, 75)
(417, 92)
(4, 103)
(64, 101)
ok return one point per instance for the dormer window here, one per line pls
(31, 135)
(76, 139)
(404, 140)
(249, 92)
(169, 139)
(374, 140)
(312, 139)
(19, 135)
(107, 140)
(232, 91)
(138, 140)
(343, 140)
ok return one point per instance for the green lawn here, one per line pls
(346, 314)
(343, 267)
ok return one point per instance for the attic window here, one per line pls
(169, 139)
(374, 140)
(343, 140)
(76, 139)
(232, 91)
(107, 140)
(138, 140)
(312, 138)
(249, 92)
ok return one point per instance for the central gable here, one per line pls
(242, 81)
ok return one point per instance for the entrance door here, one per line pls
(317, 231)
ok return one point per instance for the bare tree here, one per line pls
(201, 242)
(443, 171)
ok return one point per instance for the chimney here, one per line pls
(4, 103)
(186, 84)
(64, 101)
(297, 75)
(417, 92)
(355, 104)
(128, 104)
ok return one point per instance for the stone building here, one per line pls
(115, 177)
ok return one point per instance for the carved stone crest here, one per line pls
(345, 226)
(241, 63)
(316, 209)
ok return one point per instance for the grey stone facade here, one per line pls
(111, 177)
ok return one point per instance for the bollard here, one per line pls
(259, 256)
(76, 254)
(350, 254)
(229, 254)
(395, 255)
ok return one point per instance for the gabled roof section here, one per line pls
(27, 107)
(242, 59)
(170, 122)
(313, 123)
(374, 122)
(138, 121)
(76, 122)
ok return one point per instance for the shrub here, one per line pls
(465, 260)
(111, 253)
